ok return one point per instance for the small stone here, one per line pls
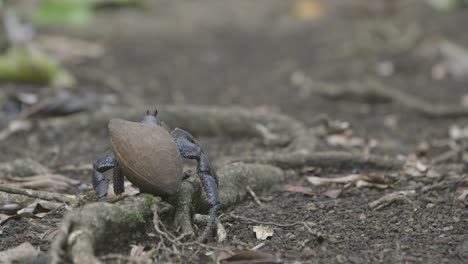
(447, 228)
(311, 206)
(462, 250)
(430, 205)
(307, 252)
(456, 219)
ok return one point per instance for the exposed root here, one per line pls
(331, 160)
(47, 196)
(83, 231)
(199, 120)
(374, 91)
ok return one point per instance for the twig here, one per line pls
(445, 156)
(254, 196)
(48, 196)
(390, 198)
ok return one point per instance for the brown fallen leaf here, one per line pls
(361, 183)
(299, 189)
(39, 208)
(332, 193)
(22, 252)
(142, 254)
(4, 218)
(46, 181)
(16, 126)
(463, 195)
(263, 232)
(308, 9)
(344, 141)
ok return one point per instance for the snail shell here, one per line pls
(147, 155)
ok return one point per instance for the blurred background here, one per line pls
(252, 53)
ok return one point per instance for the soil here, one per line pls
(245, 53)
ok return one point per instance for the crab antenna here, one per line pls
(147, 112)
(155, 112)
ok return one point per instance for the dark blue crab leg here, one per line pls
(118, 179)
(100, 181)
(190, 149)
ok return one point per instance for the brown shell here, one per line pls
(148, 156)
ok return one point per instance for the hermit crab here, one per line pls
(150, 156)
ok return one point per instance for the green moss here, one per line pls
(24, 66)
(149, 200)
(138, 218)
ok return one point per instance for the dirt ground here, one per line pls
(249, 53)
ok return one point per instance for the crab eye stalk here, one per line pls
(155, 112)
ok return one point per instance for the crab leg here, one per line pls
(190, 149)
(100, 181)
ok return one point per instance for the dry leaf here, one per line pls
(22, 252)
(463, 195)
(332, 193)
(263, 232)
(143, 254)
(4, 218)
(361, 183)
(46, 181)
(15, 126)
(344, 141)
(308, 9)
(299, 189)
(317, 181)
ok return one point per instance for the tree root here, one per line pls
(47, 196)
(206, 121)
(330, 160)
(199, 120)
(84, 230)
(374, 91)
(22, 168)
